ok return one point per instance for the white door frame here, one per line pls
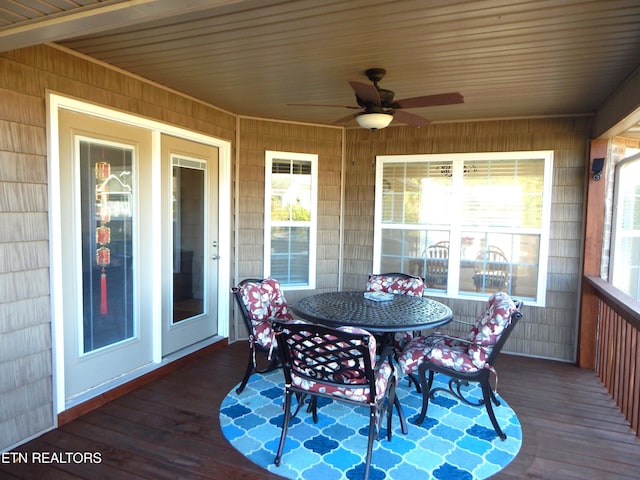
(56, 102)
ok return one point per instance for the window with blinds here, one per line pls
(469, 224)
(290, 222)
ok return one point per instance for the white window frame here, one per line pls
(617, 268)
(455, 229)
(270, 156)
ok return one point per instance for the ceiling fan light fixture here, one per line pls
(374, 121)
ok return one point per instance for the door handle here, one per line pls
(215, 257)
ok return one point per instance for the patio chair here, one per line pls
(336, 363)
(260, 301)
(464, 360)
(398, 283)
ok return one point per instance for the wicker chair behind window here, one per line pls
(437, 266)
(492, 271)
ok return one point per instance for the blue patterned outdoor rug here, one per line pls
(456, 441)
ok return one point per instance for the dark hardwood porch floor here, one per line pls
(169, 429)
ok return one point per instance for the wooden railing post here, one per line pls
(588, 327)
(593, 233)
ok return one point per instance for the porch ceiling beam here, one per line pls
(621, 111)
(97, 18)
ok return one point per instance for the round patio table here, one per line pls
(400, 314)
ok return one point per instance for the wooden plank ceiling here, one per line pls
(509, 59)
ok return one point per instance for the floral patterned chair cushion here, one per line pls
(490, 325)
(264, 301)
(392, 283)
(461, 354)
(400, 284)
(349, 374)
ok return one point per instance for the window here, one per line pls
(469, 224)
(290, 218)
(625, 254)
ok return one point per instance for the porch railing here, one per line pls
(617, 349)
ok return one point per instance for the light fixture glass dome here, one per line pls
(374, 121)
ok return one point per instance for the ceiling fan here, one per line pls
(379, 107)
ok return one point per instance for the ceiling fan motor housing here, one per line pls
(386, 100)
(375, 74)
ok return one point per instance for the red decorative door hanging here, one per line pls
(103, 232)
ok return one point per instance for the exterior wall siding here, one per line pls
(255, 137)
(549, 332)
(25, 327)
(26, 75)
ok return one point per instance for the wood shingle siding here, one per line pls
(26, 388)
(26, 75)
(257, 136)
(548, 332)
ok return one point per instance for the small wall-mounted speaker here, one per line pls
(596, 168)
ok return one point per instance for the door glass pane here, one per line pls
(188, 238)
(107, 243)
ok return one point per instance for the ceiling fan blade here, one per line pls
(347, 119)
(320, 105)
(366, 93)
(410, 119)
(430, 100)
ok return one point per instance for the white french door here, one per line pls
(140, 275)
(107, 262)
(190, 219)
